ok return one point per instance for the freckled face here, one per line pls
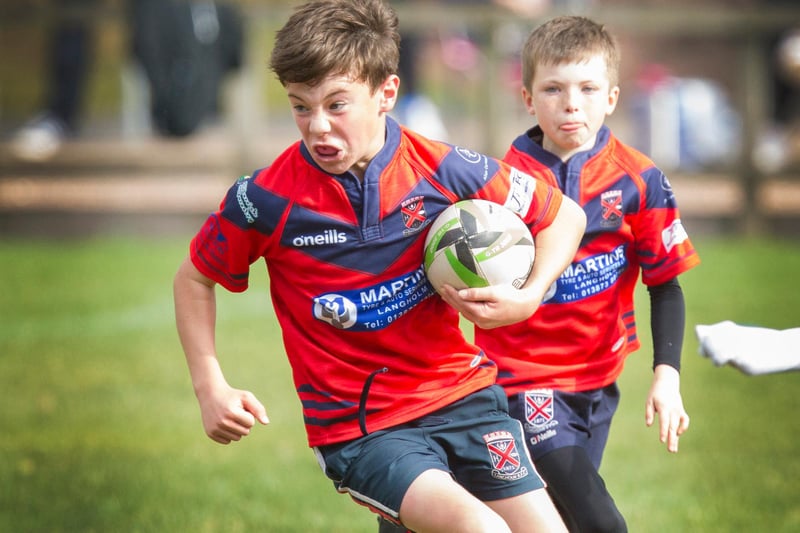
(342, 123)
(570, 102)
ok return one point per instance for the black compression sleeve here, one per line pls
(667, 322)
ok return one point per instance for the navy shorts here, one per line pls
(555, 419)
(474, 439)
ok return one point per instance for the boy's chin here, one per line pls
(331, 167)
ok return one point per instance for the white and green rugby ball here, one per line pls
(477, 243)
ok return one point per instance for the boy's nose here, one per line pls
(571, 100)
(319, 123)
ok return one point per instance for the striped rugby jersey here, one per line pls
(578, 338)
(370, 344)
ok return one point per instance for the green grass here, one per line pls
(100, 431)
(738, 466)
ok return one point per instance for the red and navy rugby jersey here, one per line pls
(578, 338)
(370, 344)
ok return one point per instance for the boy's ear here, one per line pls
(388, 93)
(613, 98)
(527, 99)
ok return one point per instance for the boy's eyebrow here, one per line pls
(332, 94)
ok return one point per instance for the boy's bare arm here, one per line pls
(491, 307)
(556, 246)
(227, 413)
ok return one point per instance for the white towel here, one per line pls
(753, 350)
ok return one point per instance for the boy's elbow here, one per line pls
(574, 214)
(188, 273)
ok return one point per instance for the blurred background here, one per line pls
(133, 112)
(124, 122)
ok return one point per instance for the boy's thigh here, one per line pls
(378, 469)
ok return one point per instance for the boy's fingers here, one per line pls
(254, 407)
(649, 413)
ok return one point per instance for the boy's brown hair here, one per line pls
(359, 38)
(568, 39)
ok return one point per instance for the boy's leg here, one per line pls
(408, 473)
(435, 502)
(493, 463)
(566, 434)
(580, 492)
(399, 475)
(533, 511)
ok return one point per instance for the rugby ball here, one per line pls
(477, 243)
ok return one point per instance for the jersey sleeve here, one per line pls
(534, 180)
(536, 201)
(662, 243)
(235, 236)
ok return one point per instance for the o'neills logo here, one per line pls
(329, 236)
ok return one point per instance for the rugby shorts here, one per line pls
(474, 439)
(554, 419)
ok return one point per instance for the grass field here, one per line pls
(100, 431)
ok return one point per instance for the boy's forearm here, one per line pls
(556, 245)
(195, 317)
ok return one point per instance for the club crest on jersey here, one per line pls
(539, 407)
(611, 206)
(413, 211)
(506, 462)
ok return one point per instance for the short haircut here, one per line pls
(568, 39)
(357, 38)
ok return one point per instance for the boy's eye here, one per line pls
(551, 90)
(299, 108)
(336, 106)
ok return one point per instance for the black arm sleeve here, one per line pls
(667, 322)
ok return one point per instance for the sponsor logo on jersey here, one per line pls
(326, 237)
(590, 276)
(336, 310)
(674, 235)
(611, 208)
(413, 211)
(468, 155)
(374, 307)
(249, 211)
(506, 462)
(520, 193)
(666, 186)
(539, 407)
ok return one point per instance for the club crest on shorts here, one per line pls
(506, 462)
(539, 407)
